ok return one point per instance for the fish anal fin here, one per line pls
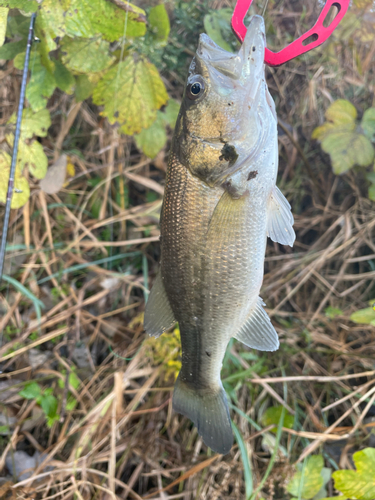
(209, 411)
(258, 332)
(159, 316)
(280, 219)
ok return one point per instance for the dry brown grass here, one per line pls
(123, 440)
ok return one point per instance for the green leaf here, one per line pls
(273, 415)
(41, 84)
(74, 381)
(31, 390)
(27, 6)
(368, 123)
(82, 55)
(152, 139)
(21, 192)
(71, 403)
(49, 404)
(18, 26)
(307, 482)
(170, 113)
(332, 312)
(88, 18)
(84, 88)
(10, 50)
(347, 149)
(63, 77)
(216, 23)
(131, 93)
(159, 23)
(371, 192)
(359, 484)
(364, 316)
(3, 23)
(33, 123)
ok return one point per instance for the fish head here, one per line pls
(219, 121)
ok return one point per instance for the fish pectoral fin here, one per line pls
(280, 219)
(258, 332)
(209, 411)
(159, 316)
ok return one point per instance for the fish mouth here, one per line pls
(244, 66)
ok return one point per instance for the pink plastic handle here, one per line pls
(317, 34)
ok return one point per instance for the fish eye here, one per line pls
(195, 89)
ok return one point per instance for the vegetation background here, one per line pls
(85, 399)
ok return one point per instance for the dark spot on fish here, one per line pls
(252, 175)
(208, 354)
(253, 59)
(228, 153)
(254, 49)
(229, 104)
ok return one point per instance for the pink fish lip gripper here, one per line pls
(308, 41)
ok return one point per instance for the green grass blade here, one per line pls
(38, 304)
(248, 477)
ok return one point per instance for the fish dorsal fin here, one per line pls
(258, 332)
(159, 316)
(280, 219)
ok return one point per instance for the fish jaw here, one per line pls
(221, 131)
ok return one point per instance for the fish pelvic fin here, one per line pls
(258, 332)
(280, 219)
(159, 316)
(209, 411)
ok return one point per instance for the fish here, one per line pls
(220, 204)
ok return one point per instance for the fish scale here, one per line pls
(220, 204)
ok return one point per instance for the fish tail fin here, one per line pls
(210, 413)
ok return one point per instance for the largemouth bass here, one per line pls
(220, 204)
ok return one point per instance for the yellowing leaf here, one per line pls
(152, 139)
(27, 6)
(50, 22)
(307, 482)
(32, 123)
(319, 133)
(368, 123)
(359, 484)
(3, 23)
(364, 316)
(345, 142)
(348, 149)
(341, 112)
(33, 157)
(83, 55)
(131, 93)
(70, 169)
(88, 18)
(21, 190)
(159, 23)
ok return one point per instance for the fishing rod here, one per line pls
(17, 133)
